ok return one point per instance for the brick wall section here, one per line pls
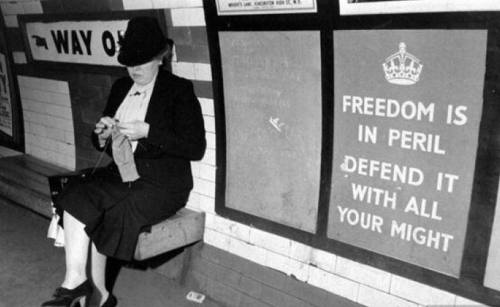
(48, 121)
(235, 281)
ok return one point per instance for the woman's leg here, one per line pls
(76, 245)
(98, 269)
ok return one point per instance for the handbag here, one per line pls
(56, 185)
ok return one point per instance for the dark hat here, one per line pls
(143, 41)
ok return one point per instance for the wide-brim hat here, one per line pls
(143, 40)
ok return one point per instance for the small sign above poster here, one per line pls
(254, 7)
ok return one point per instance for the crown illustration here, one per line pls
(402, 68)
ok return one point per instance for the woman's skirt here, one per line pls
(114, 212)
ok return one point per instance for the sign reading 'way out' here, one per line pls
(84, 42)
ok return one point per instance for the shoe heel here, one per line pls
(79, 302)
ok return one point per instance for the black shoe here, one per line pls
(70, 297)
(111, 301)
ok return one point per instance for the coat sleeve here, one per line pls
(185, 138)
(109, 110)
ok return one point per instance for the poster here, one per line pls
(407, 108)
(359, 7)
(272, 105)
(5, 103)
(248, 7)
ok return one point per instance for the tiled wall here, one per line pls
(48, 121)
(309, 267)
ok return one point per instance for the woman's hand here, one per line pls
(134, 130)
(103, 129)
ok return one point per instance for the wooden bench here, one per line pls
(182, 229)
(26, 181)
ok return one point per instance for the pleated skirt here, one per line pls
(115, 213)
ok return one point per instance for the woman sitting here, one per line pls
(153, 127)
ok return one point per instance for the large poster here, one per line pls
(5, 103)
(272, 101)
(407, 109)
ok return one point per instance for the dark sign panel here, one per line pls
(272, 94)
(407, 110)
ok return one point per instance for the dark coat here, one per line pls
(115, 212)
(176, 134)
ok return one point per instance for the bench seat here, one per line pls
(184, 228)
(25, 180)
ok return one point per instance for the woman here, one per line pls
(158, 117)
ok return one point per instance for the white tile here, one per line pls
(43, 84)
(66, 149)
(12, 8)
(209, 157)
(420, 293)
(45, 96)
(323, 260)
(38, 129)
(59, 111)
(363, 274)
(463, 302)
(209, 123)
(183, 69)
(299, 270)
(69, 137)
(202, 72)
(11, 21)
(300, 252)
(211, 141)
(207, 204)
(207, 172)
(211, 237)
(195, 169)
(278, 262)
(19, 57)
(247, 251)
(166, 4)
(188, 17)
(270, 241)
(32, 7)
(207, 106)
(34, 106)
(234, 229)
(193, 203)
(374, 298)
(56, 134)
(137, 5)
(204, 187)
(61, 123)
(333, 283)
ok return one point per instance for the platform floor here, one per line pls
(31, 267)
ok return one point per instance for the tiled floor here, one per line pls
(30, 268)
